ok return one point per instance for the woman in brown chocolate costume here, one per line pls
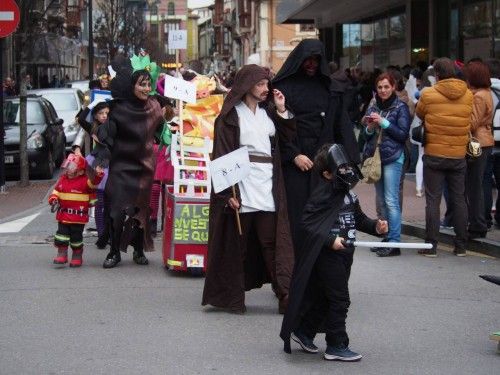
(134, 117)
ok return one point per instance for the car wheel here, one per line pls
(47, 168)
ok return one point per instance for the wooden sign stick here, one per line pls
(180, 107)
(238, 223)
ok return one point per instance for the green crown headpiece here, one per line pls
(144, 63)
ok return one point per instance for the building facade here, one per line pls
(379, 33)
(239, 29)
(163, 16)
(275, 41)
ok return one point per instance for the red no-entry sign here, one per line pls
(9, 17)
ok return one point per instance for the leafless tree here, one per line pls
(109, 25)
(119, 26)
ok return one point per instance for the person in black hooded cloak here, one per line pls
(128, 136)
(321, 118)
(319, 293)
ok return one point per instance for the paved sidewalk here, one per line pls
(414, 218)
(18, 199)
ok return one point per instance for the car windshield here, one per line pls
(34, 113)
(62, 101)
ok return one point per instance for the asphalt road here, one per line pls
(409, 315)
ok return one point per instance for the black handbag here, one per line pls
(418, 134)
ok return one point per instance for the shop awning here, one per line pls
(326, 13)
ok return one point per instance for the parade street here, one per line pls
(409, 315)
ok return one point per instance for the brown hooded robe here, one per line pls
(228, 274)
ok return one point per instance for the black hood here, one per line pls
(121, 86)
(306, 48)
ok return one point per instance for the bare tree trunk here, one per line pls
(23, 130)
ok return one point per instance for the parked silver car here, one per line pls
(67, 103)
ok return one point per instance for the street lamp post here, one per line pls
(91, 42)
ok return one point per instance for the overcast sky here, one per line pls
(199, 3)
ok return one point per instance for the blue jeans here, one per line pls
(388, 188)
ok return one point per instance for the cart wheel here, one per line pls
(195, 271)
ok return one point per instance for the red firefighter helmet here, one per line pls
(74, 163)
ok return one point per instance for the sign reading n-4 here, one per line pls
(177, 39)
(177, 88)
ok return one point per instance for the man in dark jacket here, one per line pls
(253, 116)
(304, 80)
(319, 293)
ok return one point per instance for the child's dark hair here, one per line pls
(321, 159)
(99, 107)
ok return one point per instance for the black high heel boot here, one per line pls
(138, 244)
(114, 257)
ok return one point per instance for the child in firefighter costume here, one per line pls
(72, 196)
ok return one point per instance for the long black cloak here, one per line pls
(320, 117)
(318, 217)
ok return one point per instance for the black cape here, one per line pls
(321, 118)
(318, 217)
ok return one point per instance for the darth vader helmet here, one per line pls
(346, 174)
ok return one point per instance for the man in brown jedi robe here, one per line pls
(254, 116)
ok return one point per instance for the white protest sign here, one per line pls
(177, 88)
(177, 39)
(230, 169)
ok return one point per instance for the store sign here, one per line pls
(191, 224)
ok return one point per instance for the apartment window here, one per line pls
(398, 31)
(381, 43)
(477, 29)
(351, 43)
(477, 19)
(171, 9)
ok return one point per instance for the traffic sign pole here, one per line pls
(2, 153)
(9, 20)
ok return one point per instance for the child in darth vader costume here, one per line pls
(319, 293)
(128, 136)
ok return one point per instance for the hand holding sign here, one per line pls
(227, 171)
